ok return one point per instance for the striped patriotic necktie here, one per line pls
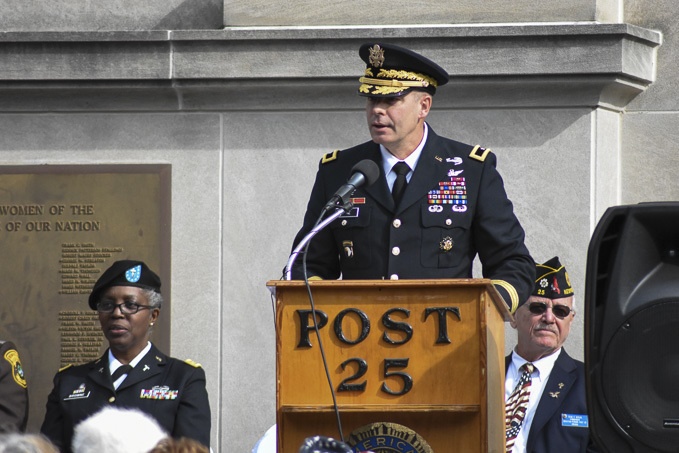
(517, 404)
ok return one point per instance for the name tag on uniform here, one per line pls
(353, 213)
(575, 420)
(79, 393)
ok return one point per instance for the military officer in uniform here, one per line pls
(13, 390)
(447, 206)
(132, 373)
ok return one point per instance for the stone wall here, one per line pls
(580, 115)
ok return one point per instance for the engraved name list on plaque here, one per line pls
(60, 228)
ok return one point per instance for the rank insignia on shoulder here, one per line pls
(63, 368)
(479, 153)
(330, 157)
(192, 363)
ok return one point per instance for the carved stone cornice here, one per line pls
(510, 65)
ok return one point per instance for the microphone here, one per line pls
(363, 173)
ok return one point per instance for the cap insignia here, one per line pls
(376, 57)
(133, 274)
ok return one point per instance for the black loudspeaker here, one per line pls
(632, 329)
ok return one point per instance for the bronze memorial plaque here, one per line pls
(60, 228)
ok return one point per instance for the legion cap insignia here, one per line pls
(386, 437)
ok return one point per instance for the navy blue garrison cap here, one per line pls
(553, 281)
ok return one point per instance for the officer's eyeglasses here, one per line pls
(126, 308)
(538, 308)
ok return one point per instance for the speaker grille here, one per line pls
(640, 372)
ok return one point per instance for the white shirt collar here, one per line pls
(543, 365)
(389, 160)
(114, 364)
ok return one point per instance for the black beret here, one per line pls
(125, 273)
(552, 280)
(394, 71)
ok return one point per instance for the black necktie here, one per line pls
(123, 369)
(401, 169)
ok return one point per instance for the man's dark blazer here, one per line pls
(170, 390)
(433, 240)
(564, 394)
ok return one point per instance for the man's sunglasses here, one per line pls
(538, 308)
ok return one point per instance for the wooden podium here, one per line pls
(424, 354)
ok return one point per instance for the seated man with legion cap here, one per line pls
(545, 397)
(132, 373)
(436, 203)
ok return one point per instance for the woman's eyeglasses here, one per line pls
(538, 308)
(126, 308)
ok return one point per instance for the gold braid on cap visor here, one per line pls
(391, 81)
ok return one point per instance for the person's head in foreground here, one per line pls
(117, 430)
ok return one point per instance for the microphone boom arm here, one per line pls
(340, 209)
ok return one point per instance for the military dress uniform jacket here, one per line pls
(171, 391)
(563, 401)
(454, 207)
(13, 390)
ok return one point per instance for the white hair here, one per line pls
(116, 430)
(25, 443)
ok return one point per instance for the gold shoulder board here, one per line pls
(479, 153)
(330, 157)
(192, 363)
(65, 367)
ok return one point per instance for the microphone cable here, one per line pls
(318, 337)
(364, 172)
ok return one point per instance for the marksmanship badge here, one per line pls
(384, 437)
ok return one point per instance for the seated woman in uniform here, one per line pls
(132, 373)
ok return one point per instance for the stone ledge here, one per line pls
(579, 64)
